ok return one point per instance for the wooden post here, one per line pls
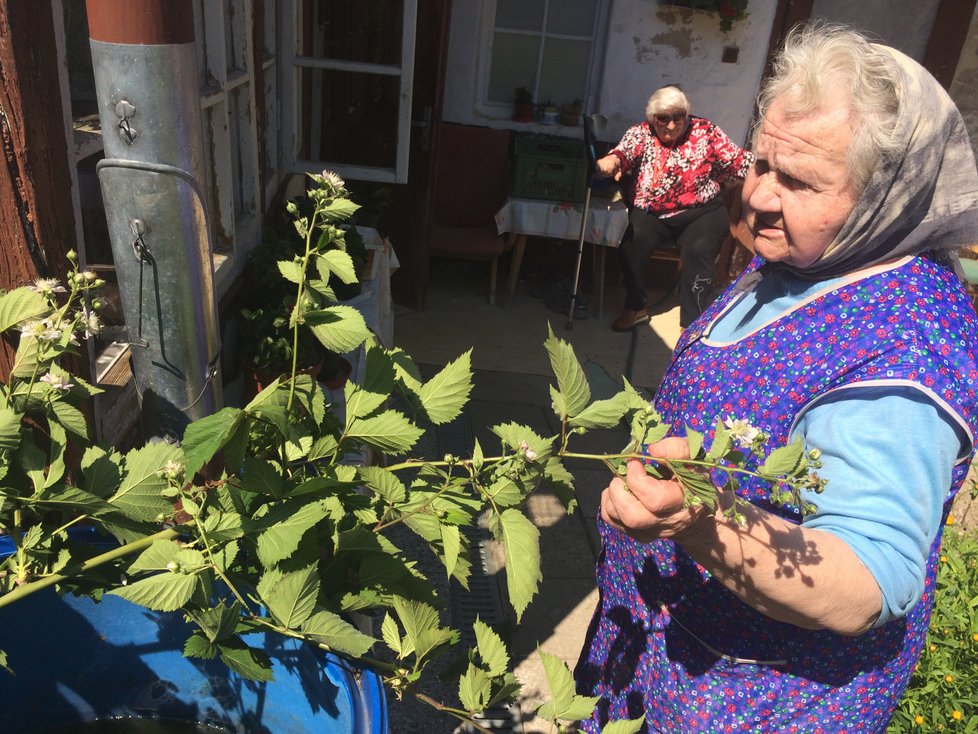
(37, 223)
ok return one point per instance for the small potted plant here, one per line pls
(522, 105)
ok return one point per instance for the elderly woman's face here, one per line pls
(669, 125)
(798, 194)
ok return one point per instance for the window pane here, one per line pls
(369, 32)
(349, 117)
(524, 15)
(563, 74)
(571, 17)
(514, 59)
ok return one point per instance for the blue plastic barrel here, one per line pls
(78, 661)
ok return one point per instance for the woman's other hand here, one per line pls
(609, 167)
(647, 508)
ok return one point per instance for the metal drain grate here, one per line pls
(482, 600)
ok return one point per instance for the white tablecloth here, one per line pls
(606, 222)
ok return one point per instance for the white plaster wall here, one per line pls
(647, 45)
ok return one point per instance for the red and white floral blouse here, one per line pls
(666, 180)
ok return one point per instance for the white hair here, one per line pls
(821, 57)
(666, 99)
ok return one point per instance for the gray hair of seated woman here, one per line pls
(666, 99)
(818, 58)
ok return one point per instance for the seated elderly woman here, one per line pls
(852, 331)
(674, 165)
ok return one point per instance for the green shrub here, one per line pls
(943, 692)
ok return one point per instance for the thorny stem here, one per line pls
(300, 294)
(458, 714)
(109, 556)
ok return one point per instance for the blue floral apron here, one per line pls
(669, 642)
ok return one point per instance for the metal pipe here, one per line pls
(145, 66)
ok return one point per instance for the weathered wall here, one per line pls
(651, 45)
(648, 45)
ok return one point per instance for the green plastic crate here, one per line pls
(548, 168)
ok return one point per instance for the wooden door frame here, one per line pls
(411, 208)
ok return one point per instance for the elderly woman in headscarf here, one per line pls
(851, 330)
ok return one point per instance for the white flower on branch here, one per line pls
(47, 286)
(742, 432)
(56, 382)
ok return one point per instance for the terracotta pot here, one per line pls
(522, 112)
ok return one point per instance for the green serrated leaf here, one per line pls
(699, 488)
(246, 661)
(9, 430)
(139, 494)
(492, 650)
(452, 543)
(391, 634)
(416, 618)
(206, 436)
(75, 500)
(521, 543)
(290, 270)
(340, 328)
(19, 305)
(101, 471)
(261, 477)
(445, 394)
(384, 483)
(284, 527)
(71, 418)
(340, 209)
(336, 633)
(162, 592)
(564, 703)
(390, 432)
(602, 413)
(361, 403)
(559, 680)
(783, 460)
(571, 380)
(624, 726)
(290, 596)
(198, 646)
(695, 441)
(721, 442)
(338, 263)
(474, 689)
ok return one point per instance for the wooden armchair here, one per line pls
(469, 188)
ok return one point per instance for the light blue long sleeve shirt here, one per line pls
(888, 453)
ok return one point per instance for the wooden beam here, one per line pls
(37, 222)
(947, 38)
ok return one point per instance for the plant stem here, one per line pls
(120, 552)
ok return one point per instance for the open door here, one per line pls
(364, 93)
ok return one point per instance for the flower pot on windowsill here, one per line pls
(522, 112)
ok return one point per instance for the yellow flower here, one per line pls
(943, 559)
(957, 715)
(918, 720)
(948, 678)
(975, 637)
(950, 519)
(932, 648)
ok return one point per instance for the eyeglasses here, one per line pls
(677, 118)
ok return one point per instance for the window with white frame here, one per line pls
(547, 46)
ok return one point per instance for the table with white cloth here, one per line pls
(607, 221)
